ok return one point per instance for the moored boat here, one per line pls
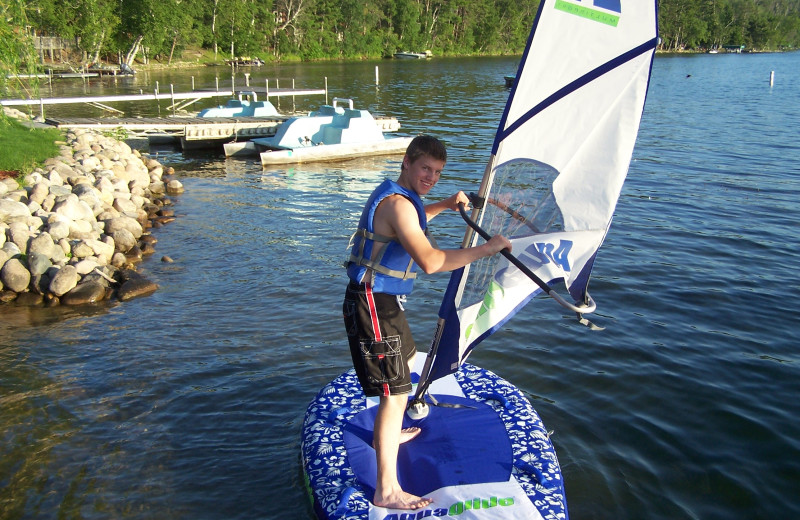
(246, 105)
(331, 133)
(407, 55)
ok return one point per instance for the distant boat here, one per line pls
(245, 61)
(406, 55)
(332, 133)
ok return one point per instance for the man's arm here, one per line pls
(397, 217)
(434, 208)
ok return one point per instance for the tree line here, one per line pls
(124, 30)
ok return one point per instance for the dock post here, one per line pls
(217, 84)
(377, 81)
(266, 89)
(293, 107)
(326, 90)
(278, 87)
(156, 88)
(233, 84)
(771, 78)
(172, 97)
(247, 79)
(192, 83)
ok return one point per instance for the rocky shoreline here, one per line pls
(73, 231)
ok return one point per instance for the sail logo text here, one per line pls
(603, 11)
(538, 255)
(454, 510)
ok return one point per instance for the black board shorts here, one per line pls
(380, 340)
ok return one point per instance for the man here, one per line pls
(387, 249)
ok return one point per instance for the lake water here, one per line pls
(188, 404)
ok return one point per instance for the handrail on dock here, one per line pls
(193, 95)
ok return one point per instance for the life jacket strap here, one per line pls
(375, 264)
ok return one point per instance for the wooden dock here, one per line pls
(179, 100)
(193, 132)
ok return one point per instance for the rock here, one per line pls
(10, 209)
(135, 285)
(125, 206)
(134, 255)
(81, 249)
(100, 248)
(147, 249)
(167, 259)
(15, 276)
(19, 234)
(58, 229)
(11, 249)
(79, 229)
(73, 208)
(64, 280)
(38, 263)
(86, 266)
(174, 187)
(83, 293)
(39, 192)
(123, 222)
(123, 240)
(40, 284)
(118, 260)
(42, 244)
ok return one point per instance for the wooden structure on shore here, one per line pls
(190, 132)
(193, 132)
(179, 100)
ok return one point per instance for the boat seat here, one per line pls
(328, 110)
(352, 126)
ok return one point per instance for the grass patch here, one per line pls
(23, 148)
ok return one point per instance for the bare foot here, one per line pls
(406, 434)
(401, 500)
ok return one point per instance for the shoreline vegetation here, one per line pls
(74, 226)
(97, 32)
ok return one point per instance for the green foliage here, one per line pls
(24, 148)
(17, 54)
(353, 29)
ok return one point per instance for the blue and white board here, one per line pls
(490, 459)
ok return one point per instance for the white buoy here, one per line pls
(771, 78)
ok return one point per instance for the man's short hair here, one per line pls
(426, 145)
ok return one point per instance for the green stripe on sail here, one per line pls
(586, 12)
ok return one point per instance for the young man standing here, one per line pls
(388, 246)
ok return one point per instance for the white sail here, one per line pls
(559, 160)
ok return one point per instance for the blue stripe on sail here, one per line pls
(568, 89)
(611, 5)
(522, 62)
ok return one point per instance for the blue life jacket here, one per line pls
(393, 270)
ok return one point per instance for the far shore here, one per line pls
(205, 61)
